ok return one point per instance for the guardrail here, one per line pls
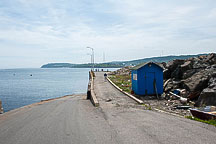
(90, 91)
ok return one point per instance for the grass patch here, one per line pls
(211, 122)
(122, 81)
(147, 107)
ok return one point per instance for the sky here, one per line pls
(36, 32)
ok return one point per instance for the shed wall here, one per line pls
(145, 80)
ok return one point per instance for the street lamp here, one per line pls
(92, 56)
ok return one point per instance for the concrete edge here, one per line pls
(34, 104)
(129, 95)
(169, 113)
(90, 92)
(94, 99)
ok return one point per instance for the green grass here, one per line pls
(211, 122)
(147, 107)
(122, 81)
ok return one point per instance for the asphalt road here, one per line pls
(132, 124)
(69, 120)
(73, 120)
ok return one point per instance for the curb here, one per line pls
(90, 92)
(169, 113)
(129, 95)
(94, 99)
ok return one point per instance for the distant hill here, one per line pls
(69, 65)
(118, 64)
(58, 65)
(154, 59)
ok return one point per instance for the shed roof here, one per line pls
(143, 64)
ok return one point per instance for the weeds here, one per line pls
(211, 122)
(147, 107)
(122, 81)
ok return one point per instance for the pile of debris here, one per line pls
(193, 79)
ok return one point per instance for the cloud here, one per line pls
(59, 31)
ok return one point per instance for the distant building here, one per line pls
(147, 79)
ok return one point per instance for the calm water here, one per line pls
(19, 87)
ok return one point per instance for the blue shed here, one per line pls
(147, 79)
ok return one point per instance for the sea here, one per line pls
(20, 87)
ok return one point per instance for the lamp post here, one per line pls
(92, 56)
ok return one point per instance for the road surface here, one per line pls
(118, 120)
(132, 124)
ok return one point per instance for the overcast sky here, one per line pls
(36, 32)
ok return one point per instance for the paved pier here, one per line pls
(132, 124)
(118, 119)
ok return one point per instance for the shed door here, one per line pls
(149, 83)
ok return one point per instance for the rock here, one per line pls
(207, 97)
(189, 73)
(177, 84)
(198, 81)
(186, 66)
(177, 73)
(213, 74)
(212, 83)
(108, 100)
(172, 65)
(200, 64)
(211, 59)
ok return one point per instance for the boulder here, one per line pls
(213, 74)
(186, 66)
(177, 73)
(211, 59)
(207, 97)
(198, 64)
(172, 65)
(189, 73)
(197, 82)
(212, 83)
